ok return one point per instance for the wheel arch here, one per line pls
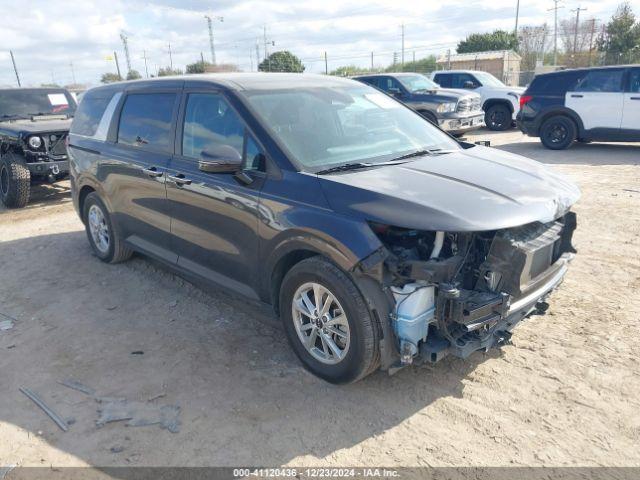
(563, 112)
(497, 101)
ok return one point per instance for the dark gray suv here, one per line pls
(377, 238)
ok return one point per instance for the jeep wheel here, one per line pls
(15, 181)
(103, 237)
(498, 118)
(327, 322)
(558, 133)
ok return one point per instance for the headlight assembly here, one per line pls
(447, 107)
(35, 142)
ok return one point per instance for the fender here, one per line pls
(500, 101)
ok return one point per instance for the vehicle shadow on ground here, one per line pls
(579, 153)
(244, 398)
(46, 194)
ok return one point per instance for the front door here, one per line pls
(631, 112)
(133, 168)
(214, 216)
(598, 99)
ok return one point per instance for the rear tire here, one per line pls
(102, 233)
(498, 118)
(358, 332)
(558, 132)
(15, 181)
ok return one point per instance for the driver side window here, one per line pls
(209, 123)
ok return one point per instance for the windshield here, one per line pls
(324, 127)
(27, 103)
(488, 80)
(417, 83)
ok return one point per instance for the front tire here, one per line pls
(498, 118)
(102, 233)
(15, 181)
(327, 322)
(558, 132)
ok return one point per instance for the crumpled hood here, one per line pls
(475, 189)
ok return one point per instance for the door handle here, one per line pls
(179, 179)
(635, 98)
(152, 172)
(577, 96)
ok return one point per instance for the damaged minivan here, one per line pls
(379, 240)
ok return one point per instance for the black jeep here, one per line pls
(34, 123)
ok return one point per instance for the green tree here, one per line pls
(198, 67)
(168, 71)
(348, 70)
(423, 65)
(484, 42)
(283, 61)
(620, 42)
(110, 78)
(133, 75)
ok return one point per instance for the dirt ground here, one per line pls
(565, 393)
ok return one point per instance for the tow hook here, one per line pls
(55, 170)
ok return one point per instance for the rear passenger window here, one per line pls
(210, 122)
(88, 115)
(634, 81)
(601, 81)
(443, 80)
(145, 120)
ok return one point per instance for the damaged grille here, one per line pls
(56, 144)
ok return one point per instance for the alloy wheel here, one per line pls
(99, 228)
(321, 323)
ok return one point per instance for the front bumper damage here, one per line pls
(479, 299)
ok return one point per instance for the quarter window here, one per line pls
(88, 115)
(145, 121)
(601, 81)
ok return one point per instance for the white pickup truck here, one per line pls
(499, 102)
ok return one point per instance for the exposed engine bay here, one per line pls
(456, 293)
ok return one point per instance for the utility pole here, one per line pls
(144, 56)
(555, 30)
(371, 61)
(170, 58)
(125, 44)
(326, 64)
(257, 55)
(575, 34)
(210, 25)
(73, 73)
(449, 59)
(115, 56)
(402, 57)
(15, 69)
(517, 17)
(593, 32)
(264, 37)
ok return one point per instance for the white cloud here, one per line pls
(46, 36)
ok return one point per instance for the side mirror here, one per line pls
(220, 159)
(469, 85)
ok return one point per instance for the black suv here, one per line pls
(453, 111)
(34, 123)
(589, 104)
(376, 237)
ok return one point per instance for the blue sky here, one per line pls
(48, 37)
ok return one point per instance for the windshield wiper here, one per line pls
(355, 166)
(420, 153)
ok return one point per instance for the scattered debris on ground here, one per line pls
(46, 409)
(69, 383)
(139, 414)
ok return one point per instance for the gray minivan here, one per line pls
(377, 238)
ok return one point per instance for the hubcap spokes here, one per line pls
(321, 323)
(98, 228)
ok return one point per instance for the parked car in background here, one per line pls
(499, 101)
(589, 104)
(378, 238)
(34, 123)
(453, 111)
